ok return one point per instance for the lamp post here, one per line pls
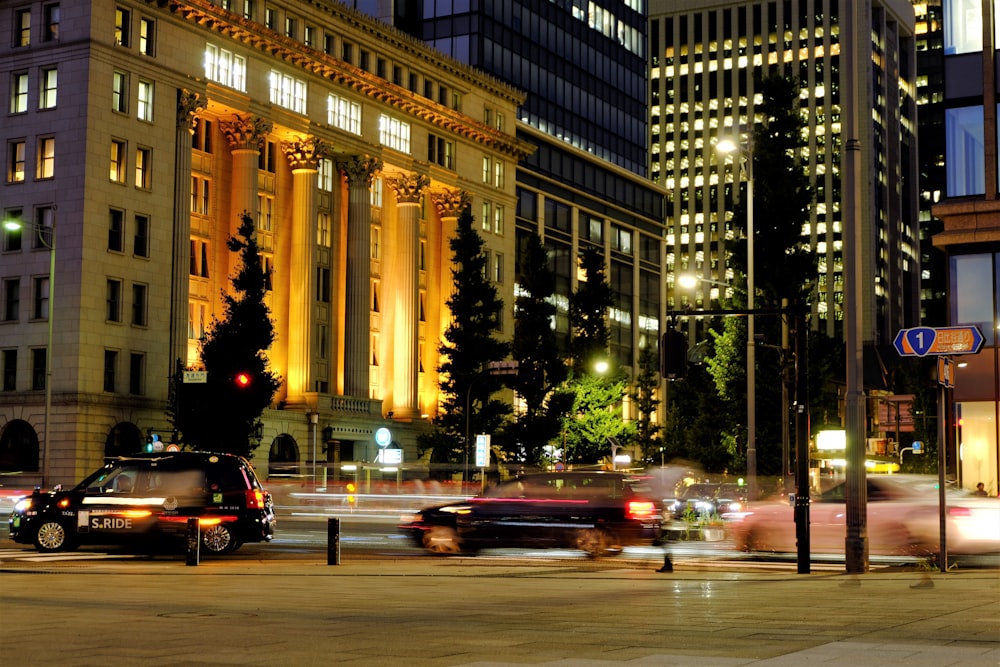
(51, 245)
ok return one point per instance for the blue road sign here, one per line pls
(923, 341)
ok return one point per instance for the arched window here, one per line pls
(18, 447)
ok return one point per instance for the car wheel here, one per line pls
(442, 540)
(597, 542)
(52, 536)
(219, 539)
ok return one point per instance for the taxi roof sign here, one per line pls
(923, 341)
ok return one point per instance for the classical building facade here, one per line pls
(137, 133)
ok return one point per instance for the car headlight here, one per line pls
(22, 504)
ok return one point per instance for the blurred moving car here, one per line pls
(903, 518)
(141, 498)
(598, 512)
(705, 500)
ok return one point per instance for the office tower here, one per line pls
(706, 58)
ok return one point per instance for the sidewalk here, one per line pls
(474, 613)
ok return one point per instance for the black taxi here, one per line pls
(598, 512)
(146, 497)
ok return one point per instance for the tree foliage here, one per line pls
(588, 312)
(647, 381)
(541, 370)
(470, 343)
(223, 414)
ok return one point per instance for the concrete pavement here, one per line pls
(491, 613)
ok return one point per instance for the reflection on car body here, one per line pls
(598, 512)
(903, 518)
(140, 498)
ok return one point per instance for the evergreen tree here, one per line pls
(223, 415)
(646, 383)
(470, 343)
(784, 267)
(541, 370)
(596, 416)
(588, 312)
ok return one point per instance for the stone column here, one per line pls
(188, 106)
(359, 170)
(449, 204)
(409, 189)
(245, 134)
(303, 155)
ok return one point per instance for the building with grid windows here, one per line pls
(706, 57)
(583, 67)
(135, 135)
(970, 238)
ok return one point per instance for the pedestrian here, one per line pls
(980, 490)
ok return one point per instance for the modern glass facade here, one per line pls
(706, 59)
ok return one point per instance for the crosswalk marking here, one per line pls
(24, 555)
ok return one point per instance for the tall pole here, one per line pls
(751, 345)
(856, 492)
(48, 351)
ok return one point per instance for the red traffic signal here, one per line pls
(242, 380)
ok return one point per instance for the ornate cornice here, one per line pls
(277, 46)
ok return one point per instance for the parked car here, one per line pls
(903, 518)
(598, 512)
(147, 497)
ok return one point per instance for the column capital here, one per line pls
(451, 202)
(409, 188)
(304, 152)
(360, 169)
(189, 105)
(245, 132)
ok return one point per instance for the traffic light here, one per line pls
(673, 355)
(242, 380)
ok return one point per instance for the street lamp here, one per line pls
(727, 146)
(50, 243)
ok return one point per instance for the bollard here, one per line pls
(193, 541)
(333, 542)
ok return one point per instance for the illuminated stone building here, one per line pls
(138, 132)
(705, 58)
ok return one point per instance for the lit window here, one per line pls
(47, 98)
(965, 157)
(498, 219)
(225, 67)
(394, 133)
(145, 108)
(22, 27)
(200, 193)
(963, 26)
(19, 93)
(46, 157)
(147, 32)
(288, 92)
(119, 92)
(123, 21)
(143, 168)
(343, 114)
(15, 161)
(117, 161)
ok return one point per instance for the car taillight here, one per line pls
(255, 499)
(959, 511)
(641, 509)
